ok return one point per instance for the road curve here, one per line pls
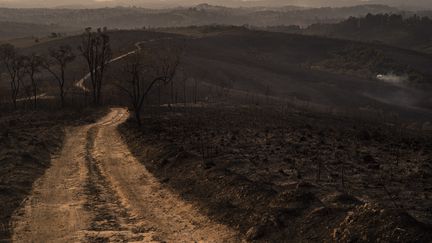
(80, 83)
(97, 191)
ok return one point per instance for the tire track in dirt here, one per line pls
(154, 211)
(97, 191)
(55, 212)
(111, 222)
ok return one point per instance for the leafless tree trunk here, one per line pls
(195, 91)
(267, 94)
(171, 102)
(33, 64)
(95, 48)
(14, 65)
(143, 71)
(159, 94)
(185, 78)
(60, 58)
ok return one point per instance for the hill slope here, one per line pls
(298, 67)
(203, 14)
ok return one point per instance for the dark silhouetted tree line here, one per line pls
(381, 27)
(414, 24)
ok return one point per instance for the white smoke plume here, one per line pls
(392, 78)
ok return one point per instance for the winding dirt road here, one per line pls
(97, 191)
(80, 83)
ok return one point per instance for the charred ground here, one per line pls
(280, 138)
(277, 175)
(29, 140)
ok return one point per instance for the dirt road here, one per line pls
(97, 191)
(80, 83)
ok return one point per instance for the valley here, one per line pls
(186, 125)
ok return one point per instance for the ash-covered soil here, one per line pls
(28, 140)
(292, 176)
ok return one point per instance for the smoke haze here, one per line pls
(230, 3)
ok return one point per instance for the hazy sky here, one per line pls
(174, 3)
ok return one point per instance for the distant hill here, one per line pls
(12, 30)
(203, 14)
(419, 4)
(412, 32)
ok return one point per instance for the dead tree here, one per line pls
(96, 50)
(195, 91)
(33, 64)
(267, 94)
(56, 65)
(14, 65)
(143, 70)
(184, 90)
(171, 102)
(184, 77)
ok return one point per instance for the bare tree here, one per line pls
(195, 91)
(171, 102)
(267, 94)
(56, 65)
(95, 48)
(183, 77)
(13, 64)
(33, 64)
(143, 70)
